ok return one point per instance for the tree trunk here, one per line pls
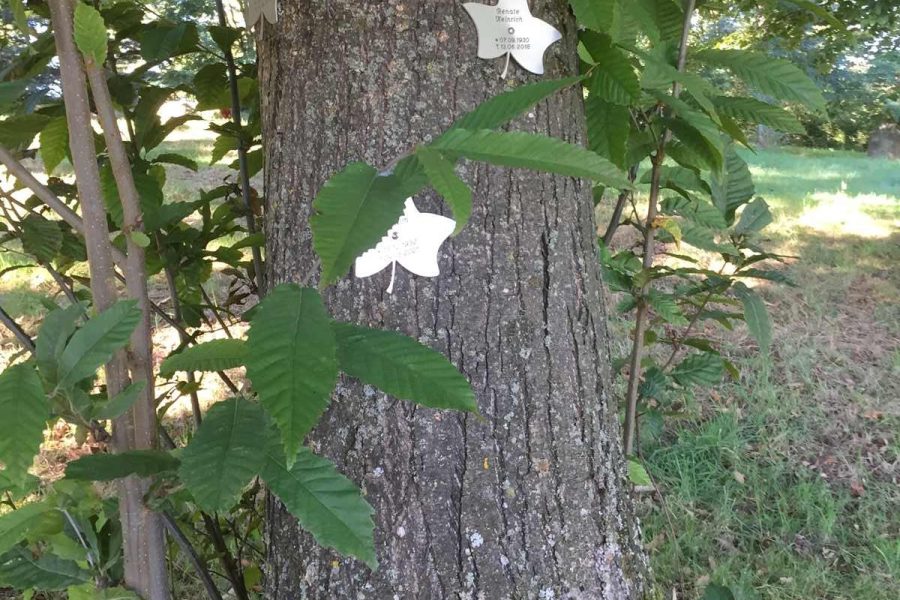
(530, 503)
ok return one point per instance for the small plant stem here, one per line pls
(191, 554)
(243, 169)
(215, 312)
(676, 344)
(640, 326)
(616, 218)
(10, 323)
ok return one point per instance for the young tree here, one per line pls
(529, 501)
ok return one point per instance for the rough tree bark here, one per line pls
(530, 503)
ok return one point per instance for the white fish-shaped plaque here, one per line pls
(414, 242)
(509, 28)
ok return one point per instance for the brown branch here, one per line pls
(640, 327)
(191, 553)
(243, 169)
(10, 323)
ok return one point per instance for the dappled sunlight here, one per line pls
(842, 214)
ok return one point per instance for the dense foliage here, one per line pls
(657, 125)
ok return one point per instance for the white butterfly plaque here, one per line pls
(509, 28)
(414, 242)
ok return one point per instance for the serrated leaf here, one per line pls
(24, 410)
(225, 454)
(173, 158)
(637, 474)
(21, 570)
(446, 182)
(291, 360)
(54, 140)
(10, 92)
(327, 504)
(678, 179)
(216, 355)
(140, 238)
(161, 41)
(94, 343)
(756, 315)
(502, 108)
(16, 524)
(703, 368)
(613, 78)
(354, 209)
(733, 185)
(594, 14)
(18, 131)
(701, 137)
(402, 367)
(665, 306)
(607, 127)
(773, 76)
(41, 237)
(90, 33)
(755, 111)
(532, 151)
(55, 331)
(704, 238)
(108, 467)
(754, 218)
(699, 211)
(121, 403)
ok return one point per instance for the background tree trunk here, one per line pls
(530, 503)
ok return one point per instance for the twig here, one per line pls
(259, 272)
(188, 549)
(14, 327)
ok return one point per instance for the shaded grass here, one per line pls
(784, 486)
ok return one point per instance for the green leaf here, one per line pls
(733, 185)
(15, 525)
(446, 182)
(594, 14)
(21, 570)
(327, 504)
(637, 474)
(41, 237)
(755, 111)
(607, 127)
(108, 467)
(224, 37)
(614, 79)
(754, 218)
(10, 92)
(700, 136)
(532, 151)
(121, 403)
(93, 344)
(89, 592)
(703, 368)
(18, 131)
(24, 410)
(173, 158)
(402, 367)
(225, 454)
(678, 179)
(161, 41)
(504, 107)
(90, 33)
(55, 331)
(354, 209)
(773, 76)
(291, 360)
(217, 355)
(54, 140)
(140, 238)
(756, 316)
(666, 15)
(665, 306)
(704, 238)
(700, 212)
(714, 591)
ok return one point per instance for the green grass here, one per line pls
(784, 486)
